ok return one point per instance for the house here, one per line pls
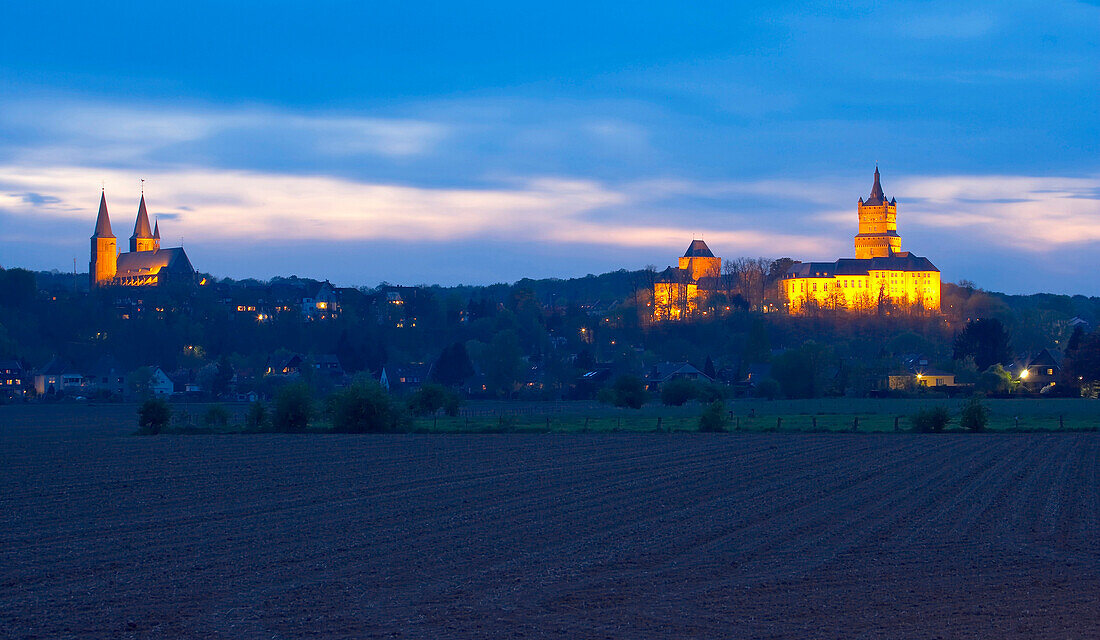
(756, 373)
(669, 371)
(328, 366)
(922, 378)
(108, 377)
(290, 365)
(321, 304)
(1042, 370)
(13, 379)
(382, 378)
(160, 385)
(411, 376)
(58, 377)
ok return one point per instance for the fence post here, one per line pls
(896, 419)
(855, 424)
(778, 423)
(658, 423)
(1061, 424)
(738, 427)
(815, 423)
(547, 423)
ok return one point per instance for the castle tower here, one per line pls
(156, 236)
(104, 262)
(699, 260)
(142, 240)
(878, 225)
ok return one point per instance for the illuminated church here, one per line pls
(880, 273)
(145, 264)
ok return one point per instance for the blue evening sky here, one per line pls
(479, 142)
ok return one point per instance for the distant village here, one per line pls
(147, 323)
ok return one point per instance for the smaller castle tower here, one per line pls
(143, 239)
(156, 235)
(104, 262)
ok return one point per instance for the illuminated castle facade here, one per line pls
(881, 273)
(679, 291)
(145, 264)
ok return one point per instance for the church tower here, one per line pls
(156, 236)
(143, 239)
(104, 262)
(878, 225)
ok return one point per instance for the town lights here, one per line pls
(1024, 374)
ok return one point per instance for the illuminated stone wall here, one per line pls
(878, 228)
(104, 261)
(863, 292)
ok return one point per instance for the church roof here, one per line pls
(139, 263)
(877, 197)
(698, 249)
(860, 266)
(141, 227)
(156, 230)
(103, 220)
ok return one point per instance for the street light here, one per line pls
(1024, 374)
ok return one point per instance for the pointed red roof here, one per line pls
(103, 220)
(141, 227)
(156, 230)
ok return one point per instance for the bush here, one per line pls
(931, 420)
(675, 393)
(293, 408)
(974, 416)
(216, 415)
(713, 419)
(629, 392)
(154, 415)
(430, 398)
(767, 388)
(365, 407)
(256, 416)
(708, 392)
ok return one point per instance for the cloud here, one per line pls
(255, 207)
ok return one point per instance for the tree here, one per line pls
(140, 380)
(154, 415)
(974, 416)
(453, 368)
(757, 347)
(930, 420)
(994, 380)
(364, 407)
(713, 419)
(256, 416)
(628, 391)
(708, 369)
(1083, 364)
(986, 340)
(430, 398)
(223, 375)
(675, 393)
(293, 408)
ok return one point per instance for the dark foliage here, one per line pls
(974, 416)
(453, 368)
(216, 416)
(293, 408)
(627, 391)
(675, 393)
(365, 407)
(256, 416)
(986, 340)
(713, 419)
(430, 398)
(930, 420)
(154, 415)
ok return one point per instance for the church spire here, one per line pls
(142, 240)
(103, 220)
(156, 230)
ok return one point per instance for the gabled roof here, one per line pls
(103, 220)
(666, 370)
(56, 367)
(141, 227)
(698, 249)
(135, 263)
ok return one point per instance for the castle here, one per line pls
(880, 273)
(145, 264)
(678, 291)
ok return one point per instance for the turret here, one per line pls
(878, 224)
(143, 239)
(156, 235)
(104, 255)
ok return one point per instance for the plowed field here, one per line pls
(575, 536)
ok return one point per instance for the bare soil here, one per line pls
(103, 534)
